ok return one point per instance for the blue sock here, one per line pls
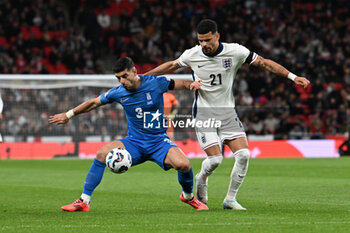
(186, 180)
(94, 176)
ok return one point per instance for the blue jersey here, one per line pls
(144, 108)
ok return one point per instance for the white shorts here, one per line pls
(231, 128)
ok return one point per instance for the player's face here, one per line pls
(209, 42)
(129, 79)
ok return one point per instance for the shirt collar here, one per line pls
(219, 50)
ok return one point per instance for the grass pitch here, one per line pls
(281, 195)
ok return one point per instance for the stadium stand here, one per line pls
(83, 37)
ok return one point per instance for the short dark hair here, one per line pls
(122, 64)
(207, 25)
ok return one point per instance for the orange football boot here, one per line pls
(194, 203)
(78, 205)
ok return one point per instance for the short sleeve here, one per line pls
(163, 83)
(242, 53)
(109, 96)
(184, 58)
(251, 58)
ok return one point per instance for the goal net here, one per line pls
(30, 99)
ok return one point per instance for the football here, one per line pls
(118, 160)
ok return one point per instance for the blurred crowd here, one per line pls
(22, 118)
(311, 38)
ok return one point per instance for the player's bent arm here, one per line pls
(189, 85)
(277, 69)
(86, 106)
(164, 68)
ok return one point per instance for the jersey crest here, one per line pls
(227, 62)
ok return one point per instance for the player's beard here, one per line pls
(207, 51)
(130, 87)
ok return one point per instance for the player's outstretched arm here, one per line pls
(277, 69)
(87, 106)
(189, 85)
(164, 68)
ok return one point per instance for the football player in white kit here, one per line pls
(216, 64)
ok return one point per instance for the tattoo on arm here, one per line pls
(259, 63)
(270, 67)
(273, 67)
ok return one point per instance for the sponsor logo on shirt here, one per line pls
(123, 100)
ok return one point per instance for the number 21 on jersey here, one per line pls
(215, 79)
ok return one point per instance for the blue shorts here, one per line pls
(144, 150)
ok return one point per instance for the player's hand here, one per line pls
(195, 85)
(0, 116)
(59, 119)
(302, 82)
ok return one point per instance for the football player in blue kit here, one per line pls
(142, 99)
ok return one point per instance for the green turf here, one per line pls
(281, 195)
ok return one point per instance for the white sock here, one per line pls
(86, 198)
(209, 165)
(187, 196)
(238, 172)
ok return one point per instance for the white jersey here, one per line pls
(216, 72)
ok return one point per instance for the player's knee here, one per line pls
(215, 161)
(183, 165)
(101, 155)
(242, 156)
(211, 163)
